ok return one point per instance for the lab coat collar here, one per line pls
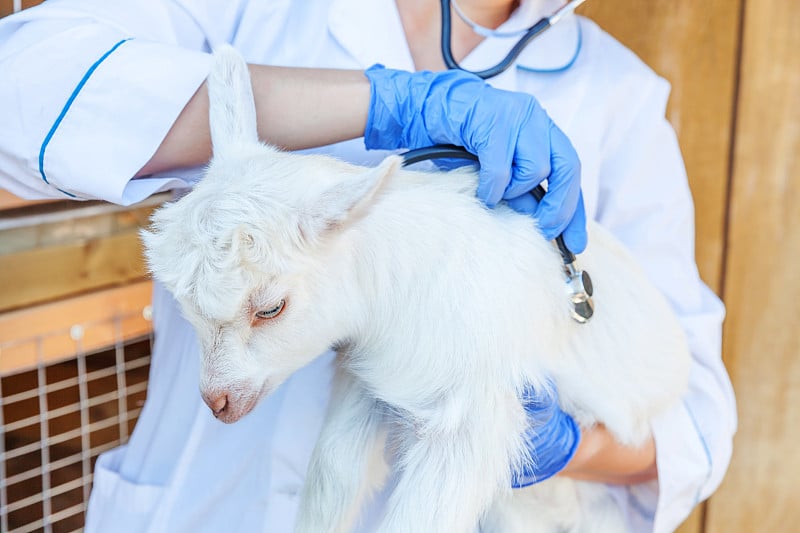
(370, 31)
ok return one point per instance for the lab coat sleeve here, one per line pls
(88, 90)
(645, 200)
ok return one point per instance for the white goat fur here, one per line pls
(441, 311)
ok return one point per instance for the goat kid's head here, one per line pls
(247, 252)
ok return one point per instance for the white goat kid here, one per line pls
(441, 312)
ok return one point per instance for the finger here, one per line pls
(531, 163)
(495, 174)
(526, 175)
(575, 236)
(525, 204)
(560, 203)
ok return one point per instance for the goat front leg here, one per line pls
(340, 461)
(447, 481)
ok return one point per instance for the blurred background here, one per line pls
(75, 341)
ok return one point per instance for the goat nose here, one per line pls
(217, 403)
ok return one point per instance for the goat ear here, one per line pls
(347, 198)
(232, 110)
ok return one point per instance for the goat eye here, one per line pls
(271, 313)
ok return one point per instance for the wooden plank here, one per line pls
(76, 223)
(762, 286)
(44, 274)
(693, 45)
(6, 7)
(46, 333)
(9, 201)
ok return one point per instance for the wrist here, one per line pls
(601, 458)
(394, 114)
(418, 109)
(586, 453)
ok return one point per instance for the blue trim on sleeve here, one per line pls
(705, 448)
(63, 113)
(563, 67)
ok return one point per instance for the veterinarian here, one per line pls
(105, 100)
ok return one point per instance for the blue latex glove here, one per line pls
(552, 437)
(516, 142)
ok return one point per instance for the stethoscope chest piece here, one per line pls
(580, 291)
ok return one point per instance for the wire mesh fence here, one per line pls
(56, 417)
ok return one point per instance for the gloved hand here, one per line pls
(517, 143)
(552, 437)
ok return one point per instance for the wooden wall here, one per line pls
(735, 71)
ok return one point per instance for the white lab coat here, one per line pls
(88, 88)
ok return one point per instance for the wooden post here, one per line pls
(762, 282)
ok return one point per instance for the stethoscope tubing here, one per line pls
(531, 33)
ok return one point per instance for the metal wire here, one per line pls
(55, 465)
(60, 515)
(122, 402)
(43, 439)
(74, 407)
(83, 391)
(71, 382)
(63, 437)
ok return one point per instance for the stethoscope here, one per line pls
(579, 283)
